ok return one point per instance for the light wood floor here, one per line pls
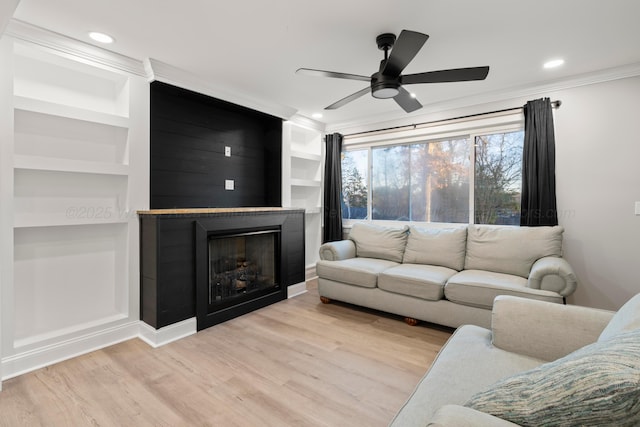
(294, 363)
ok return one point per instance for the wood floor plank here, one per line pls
(295, 363)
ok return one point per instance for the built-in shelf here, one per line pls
(68, 165)
(302, 181)
(68, 279)
(77, 156)
(305, 182)
(59, 220)
(61, 110)
(306, 156)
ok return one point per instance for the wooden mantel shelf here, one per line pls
(201, 211)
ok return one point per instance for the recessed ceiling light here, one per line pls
(317, 115)
(101, 37)
(554, 63)
(413, 95)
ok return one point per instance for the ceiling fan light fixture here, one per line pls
(385, 90)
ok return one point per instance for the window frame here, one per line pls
(431, 132)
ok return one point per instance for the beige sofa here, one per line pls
(539, 364)
(444, 275)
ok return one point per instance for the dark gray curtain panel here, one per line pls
(332, 210)
(538, 205)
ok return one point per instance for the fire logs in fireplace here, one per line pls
(241, 263)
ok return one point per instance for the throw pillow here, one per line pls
(436, 246)
(596, 385)
(374, 241)
(625, 319)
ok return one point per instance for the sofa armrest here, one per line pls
(461, 416)
(553, 274)
(340, 249)
(544, 330)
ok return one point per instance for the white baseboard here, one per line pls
(159, 337)
(310, 272)
(297, 289)
(27, 361)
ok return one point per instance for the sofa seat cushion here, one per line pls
(455, 376)
(479, 288)
(596, 385)
(354, 271)
(416, 280)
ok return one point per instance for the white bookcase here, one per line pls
(79, 152)
(302, 169)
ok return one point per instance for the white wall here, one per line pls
(598, 181)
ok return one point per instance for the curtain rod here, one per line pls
(554, 104)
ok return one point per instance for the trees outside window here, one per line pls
(498, 178)
(354, 184)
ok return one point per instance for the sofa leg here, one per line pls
(325, 300)
(411, 321)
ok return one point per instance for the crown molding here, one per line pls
(516, 92)
(307, 122)
(74, 49)
(166, 73)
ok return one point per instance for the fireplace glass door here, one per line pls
(242, 266)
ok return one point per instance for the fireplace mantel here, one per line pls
(205, 211)
(169, 249)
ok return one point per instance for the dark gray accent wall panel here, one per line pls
(189, 132)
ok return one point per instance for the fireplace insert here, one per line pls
(238, 270)
(242, 266)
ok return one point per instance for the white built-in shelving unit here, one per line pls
(302, 168)
(78, 151)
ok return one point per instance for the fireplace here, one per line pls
(242, 266)
(215, 264)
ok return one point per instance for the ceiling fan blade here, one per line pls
(406, 101)
(349, 98)
(323, 73)
(443, 76)
(404, 50)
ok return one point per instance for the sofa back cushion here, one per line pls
(374, 241)
(436, 246)
(626, 319)
(510, 250)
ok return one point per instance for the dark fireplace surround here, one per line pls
(245, 300)
(175, 282)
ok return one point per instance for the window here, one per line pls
(421, 182)
(354, 184)
(468, 178)
(498, 178)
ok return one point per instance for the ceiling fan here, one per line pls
(388, 81)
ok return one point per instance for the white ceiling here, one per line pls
(253, 47)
